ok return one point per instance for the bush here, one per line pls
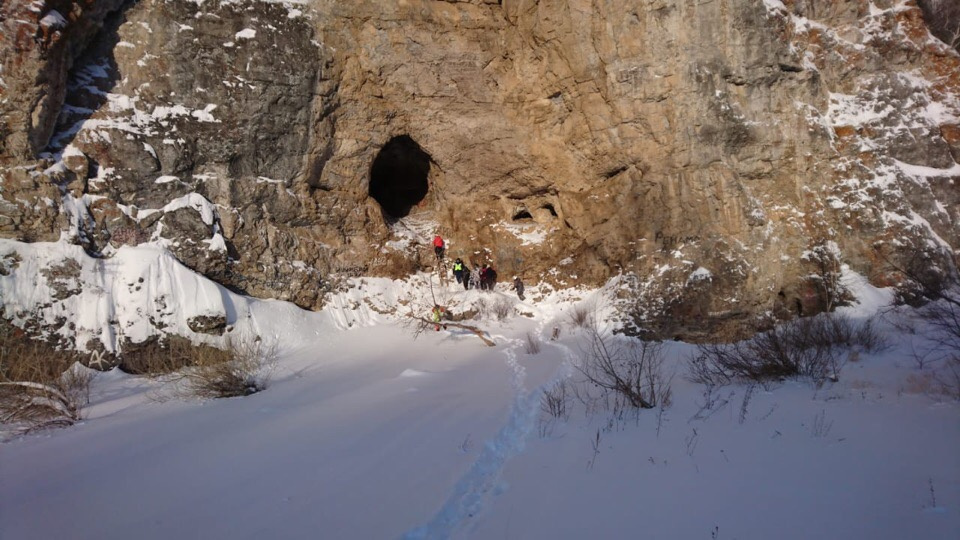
(241, 370)
(533, 344)
(502, 309)
(632, 372)
(244, 368)
(810, 347)
(38, 386)
(929, 281)
(157, 358)
(554, 401)
(948, 377)
(942, 331)
(582, 315)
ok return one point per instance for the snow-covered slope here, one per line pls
(366, 432)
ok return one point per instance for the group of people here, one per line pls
(483, 277)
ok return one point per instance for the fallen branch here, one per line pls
(476, 331)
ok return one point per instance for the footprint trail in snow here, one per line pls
(483, 477)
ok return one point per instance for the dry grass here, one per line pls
(582, 316)
(241, 370)
(502, 309)
(175, 353)
(554, 401)
(246, 372)
(38, 387)
(815, 347)
(634, 372)
(922, 383)
(533, 344)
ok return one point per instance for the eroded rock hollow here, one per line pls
(398, 177)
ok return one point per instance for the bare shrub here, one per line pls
(811, 347)
(713, 401)
(943, 320)
(745, 404)
(554, 401)
(948, 377)
(502, 308)
(582, 316)
(932, 285)
(532, 345)
(595, 444)
(159, 358)
(483, 308)
(38, 386)
(632, 371)
(923, 383)
(244, 368)
(825, 257)
(245, 371)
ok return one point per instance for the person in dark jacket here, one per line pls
(466, 277)
(483, 277)
(458, 269)
(491, 278)
(518, 286)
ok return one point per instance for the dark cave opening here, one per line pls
(549, 207)
(398, 176)
(522, 215)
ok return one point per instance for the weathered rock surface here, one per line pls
(208, 324)
(727, 156)
(943, 18)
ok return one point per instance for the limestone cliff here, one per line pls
(726, 156)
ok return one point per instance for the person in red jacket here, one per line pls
(438, 247)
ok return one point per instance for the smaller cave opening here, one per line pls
(398, 176)
(93, 168)
(549, 208)
(523, 214)
(613, 172)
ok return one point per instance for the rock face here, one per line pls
(726, 157)
(943, 18)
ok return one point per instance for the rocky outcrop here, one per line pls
(728, 157)
(38, 44)
(943, 18)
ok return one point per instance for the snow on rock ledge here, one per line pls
(110, 304)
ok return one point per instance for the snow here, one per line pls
(53, 20)
(849, 110)
(204, 115)
(529, 234)
(869, 300)
(774, 6)
(366, 432)
(927, 172)
(699, 274)
(412, 231)
(246, 33)
(117, 296)
(196, 201)
(217, 243)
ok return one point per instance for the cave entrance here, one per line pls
(398, 176)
